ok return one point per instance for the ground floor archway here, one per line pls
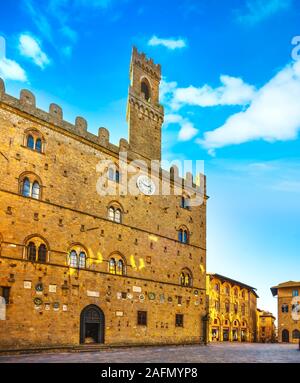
(92, 325)
(285, 336)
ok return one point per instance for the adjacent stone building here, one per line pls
(232, 310)
(266, 330)
(288, 307)
(77, 266)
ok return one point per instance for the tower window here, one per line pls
(183, 236)
(114, 214)
(30, 142)
(145, 89)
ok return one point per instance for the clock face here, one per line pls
(145, 185)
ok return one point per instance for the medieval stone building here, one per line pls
(232, 310)
(288, 306)
(77, 266)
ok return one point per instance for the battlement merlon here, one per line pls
(27, 104)
(147, 64)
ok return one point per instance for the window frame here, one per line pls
(142, 318)
(179, 320)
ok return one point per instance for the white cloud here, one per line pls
(233, 91)
(259, 10)
(169, 43)
(273, 115)
(172, 119)
(187, 130)
(11, 70)
(30, 47)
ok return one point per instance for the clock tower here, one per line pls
(145, 115)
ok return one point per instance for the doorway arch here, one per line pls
(92, 325)
(285, 336)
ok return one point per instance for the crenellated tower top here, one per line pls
(145, 115)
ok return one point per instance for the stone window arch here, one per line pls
(227, 289)
(183, 235)
(36, 249)
(30, 185)
(146, 89)
(186, 278)
(115, 212)
(117, 264)
(77, 257)
(34, 140)
(236, 292)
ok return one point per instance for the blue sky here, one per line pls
(231, 91)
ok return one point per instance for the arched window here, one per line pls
(36, 250)
(120, 267)
(30, 142)
(285, 308)
(180, 235)
(82, 260)
(118, 215)
(227, 290)
(227, 307)
(114, 174)
(236, 293)
(186, 278)
(217, 287)
(42, 253)
(77, 257)
(35, 190)
(115, 214)
(145, 89)
(38, 145)
(112, 266)
(117, 264)
(26, 192)
(33, 139)
(31, 252)
(185, 236)
(236, 308)
(111, 213)
(30, 185)
(73, 261)
(117, 176)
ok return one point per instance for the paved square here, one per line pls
(213, 353)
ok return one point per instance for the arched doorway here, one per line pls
(285, 336)
(92, 325)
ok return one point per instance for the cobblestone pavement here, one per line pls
(217, 352)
